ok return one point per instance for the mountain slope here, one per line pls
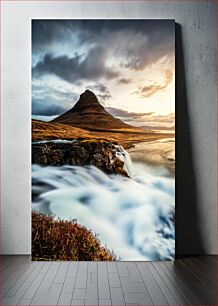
(89, 114)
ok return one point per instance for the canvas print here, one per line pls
(103, 140)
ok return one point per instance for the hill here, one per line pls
(89, 114)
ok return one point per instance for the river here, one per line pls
(133, 216)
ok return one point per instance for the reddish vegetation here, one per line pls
(65, 240)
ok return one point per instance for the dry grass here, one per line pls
(65, 240)
(125, 137)
(46, 130)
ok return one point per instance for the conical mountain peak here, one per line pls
(87, 102)
(88, 95)
(89, 114)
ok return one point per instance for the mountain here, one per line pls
(89, 114)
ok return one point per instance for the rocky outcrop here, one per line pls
(101, 154)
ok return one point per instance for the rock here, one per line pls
(101, 154)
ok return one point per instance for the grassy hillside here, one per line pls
(125, 137)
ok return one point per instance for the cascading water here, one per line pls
(124, 156)
(133, 216)
(53, 141)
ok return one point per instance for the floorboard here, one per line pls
(186, 281)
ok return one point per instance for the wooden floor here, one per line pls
(188, 281)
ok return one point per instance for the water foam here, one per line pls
(133, 217)
(53, 141)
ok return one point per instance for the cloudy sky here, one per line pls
(128, 64)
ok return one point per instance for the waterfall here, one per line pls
(124, 156)
(133, 217)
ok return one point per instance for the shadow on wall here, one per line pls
(188, 232)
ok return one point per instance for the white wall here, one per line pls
(198, 21)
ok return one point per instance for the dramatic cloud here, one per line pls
(46, 33)
(170, 118)
(118, 112)
(71, 69)
(147, 42)
(101, 90)
(51, 93)
(149, 90)
(142, 119)
(166, 121)
(113, 58)
(124, 81)
(47, 101)
(39, 107)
